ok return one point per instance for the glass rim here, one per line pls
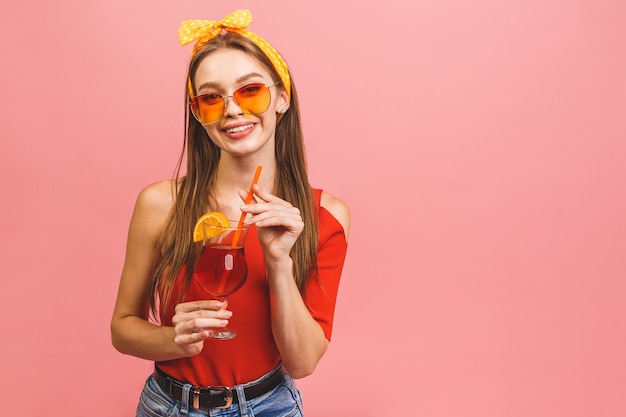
(233, 225)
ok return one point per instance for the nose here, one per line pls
(231, 108)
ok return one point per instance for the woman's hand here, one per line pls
(191, 319)
(278, 223)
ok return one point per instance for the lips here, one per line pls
(239, 128)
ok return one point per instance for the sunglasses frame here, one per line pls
(232, 96)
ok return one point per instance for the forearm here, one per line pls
(135, 336)
(299, 338)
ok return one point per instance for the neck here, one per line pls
(237, 173)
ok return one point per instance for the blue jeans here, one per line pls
(283, 401)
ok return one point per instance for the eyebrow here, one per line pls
(237, 81)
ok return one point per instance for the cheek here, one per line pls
(270, 118)
(212, 133)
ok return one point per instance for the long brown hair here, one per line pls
(195, 190)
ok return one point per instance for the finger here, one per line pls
(182, 318)
(192, 306)
(199, 318)
(293, 225)
(276, 215)
(198, 323)
(243, 194)
(270, 198)
(274, 208)
(260, 196)
(256, 192)
(191, 338)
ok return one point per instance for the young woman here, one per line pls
(242, 113)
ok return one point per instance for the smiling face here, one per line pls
(239, 132)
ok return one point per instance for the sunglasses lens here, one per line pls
(207, 108)
(253, 98)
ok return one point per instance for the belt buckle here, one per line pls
(228, 395)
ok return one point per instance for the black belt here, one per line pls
(217, 396)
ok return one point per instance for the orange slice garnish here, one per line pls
(214, 218)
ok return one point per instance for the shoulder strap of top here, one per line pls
(317, 193)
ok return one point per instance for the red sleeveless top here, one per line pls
(253, 352)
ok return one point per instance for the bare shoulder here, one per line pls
(157, 196)
(338, 209)
(154, 204)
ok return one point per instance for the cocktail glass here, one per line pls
(221, 268)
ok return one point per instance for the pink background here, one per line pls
(480, 145)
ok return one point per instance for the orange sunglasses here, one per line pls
(251, 98)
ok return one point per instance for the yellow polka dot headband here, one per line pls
(204, 30)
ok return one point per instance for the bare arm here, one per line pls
(131, 332)
(300, 339)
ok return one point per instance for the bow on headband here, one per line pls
(204, 30)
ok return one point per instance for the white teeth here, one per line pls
(238, 129)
